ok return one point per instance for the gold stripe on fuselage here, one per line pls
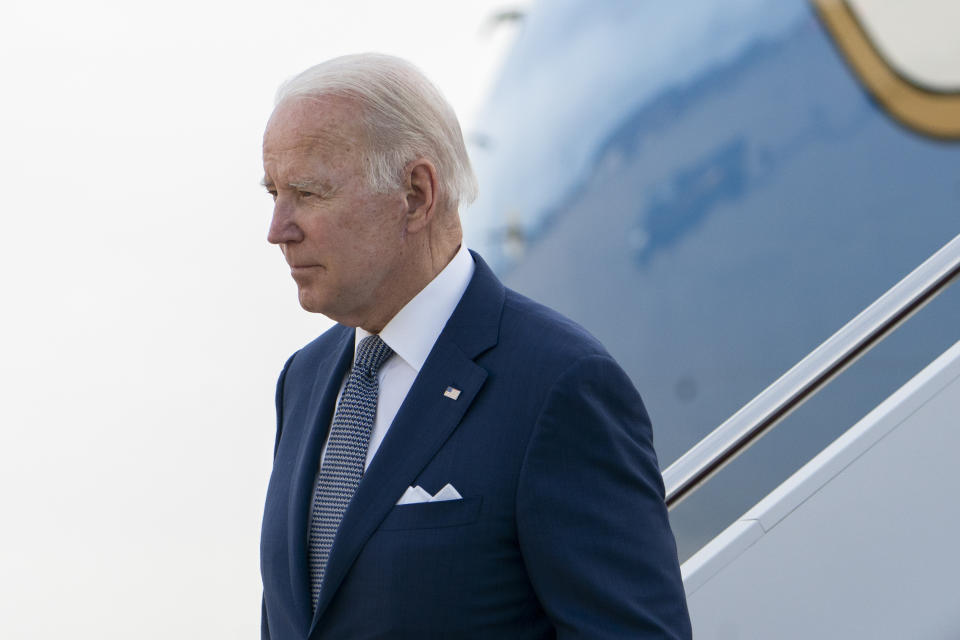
(931, 113)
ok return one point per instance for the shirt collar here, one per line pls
(414, 330)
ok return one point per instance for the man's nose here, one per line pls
(283, 227)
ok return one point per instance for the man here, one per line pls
(452, 459)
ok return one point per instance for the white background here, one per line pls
(145, 318)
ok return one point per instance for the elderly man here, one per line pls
(452, 459)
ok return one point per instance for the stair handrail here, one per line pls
(807, 377)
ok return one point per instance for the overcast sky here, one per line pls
(145, 316)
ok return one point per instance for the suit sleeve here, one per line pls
(264, 626)
(591, 518)
(278, 400)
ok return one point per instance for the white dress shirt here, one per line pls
(411, 334)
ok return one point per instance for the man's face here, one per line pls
(342, 241)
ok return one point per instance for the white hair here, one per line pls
(404, 116)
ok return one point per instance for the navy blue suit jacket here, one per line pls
(562, 530)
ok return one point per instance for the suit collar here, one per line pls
(415, 329)
(424, 422)
(475, 324)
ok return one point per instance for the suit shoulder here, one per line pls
(545, 331)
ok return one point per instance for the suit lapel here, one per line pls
(425, 421)
(323, 399)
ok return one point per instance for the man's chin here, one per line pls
(310, 301)
(311, 305)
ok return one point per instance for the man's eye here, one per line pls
(273, 194)
(306, 194)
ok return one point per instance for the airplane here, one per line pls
(755, 205)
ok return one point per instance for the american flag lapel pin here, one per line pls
(452, 393)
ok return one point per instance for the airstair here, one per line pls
(860, 542)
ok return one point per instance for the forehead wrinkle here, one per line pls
(308, 144)
(324, 140)
(320, 141)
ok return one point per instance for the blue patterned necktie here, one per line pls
(346, 454)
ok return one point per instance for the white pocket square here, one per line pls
(414, 495)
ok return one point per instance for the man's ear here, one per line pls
(421, 194)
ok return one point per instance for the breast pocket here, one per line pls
(432, 515)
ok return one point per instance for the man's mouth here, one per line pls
(303, 268)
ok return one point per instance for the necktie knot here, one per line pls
(371, 354)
